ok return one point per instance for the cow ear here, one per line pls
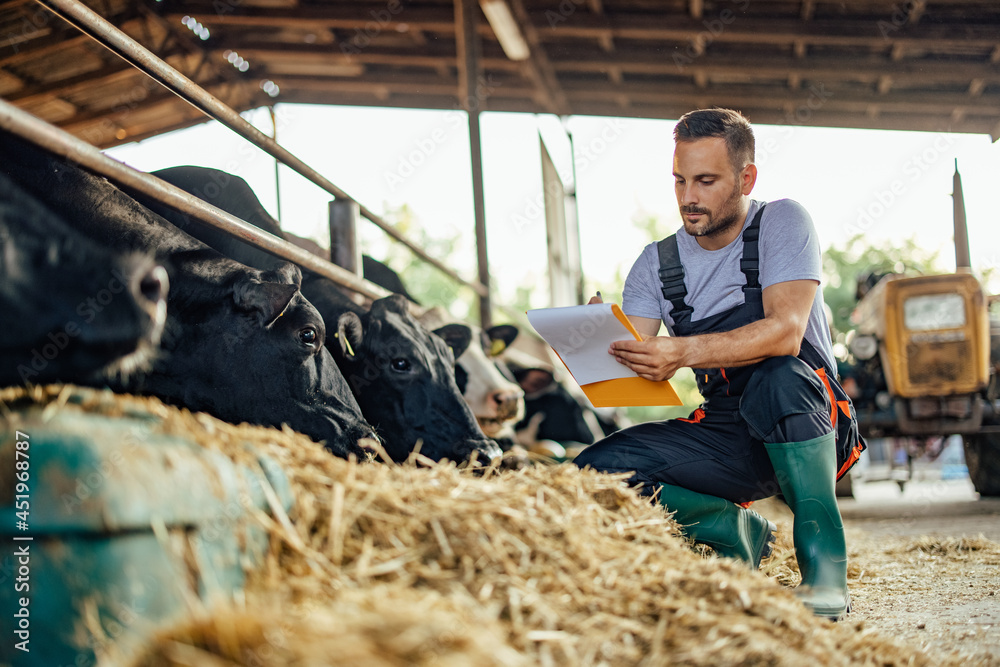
(286, 272)
(396, 303)
(457, 336)
(269, 300)
(349, 336)
(501, 336)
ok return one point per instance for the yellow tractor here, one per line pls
(927, 353)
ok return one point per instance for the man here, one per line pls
(738, 292)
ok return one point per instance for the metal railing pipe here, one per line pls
(80, 152)
(92, 24)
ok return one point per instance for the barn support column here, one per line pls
(963, 260)
(471, 98)
(344, 249)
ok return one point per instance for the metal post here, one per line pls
(471, 99)
(963, 262)
(277, 163)
(562, 290)
(344, 249)
(573, 216)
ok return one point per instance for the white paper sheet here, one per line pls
(581, 336)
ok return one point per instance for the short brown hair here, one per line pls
(725, 123)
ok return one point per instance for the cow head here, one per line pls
(252, 349)
(239, 342)
(486, 384)
(77, 311)
(404, 378)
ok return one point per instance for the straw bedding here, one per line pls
(425, 564)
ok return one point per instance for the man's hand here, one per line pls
(595, 299)
(656, 358)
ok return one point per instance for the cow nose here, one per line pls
(505, 400)
(153, 284)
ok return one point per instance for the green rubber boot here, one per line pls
(806, 474)
(732, 531)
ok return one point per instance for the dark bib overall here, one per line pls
(719, 449)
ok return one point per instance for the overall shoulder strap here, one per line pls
(750, 262)
(672, 277)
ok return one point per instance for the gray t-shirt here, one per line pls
(789, 250)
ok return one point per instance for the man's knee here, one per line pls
(780, 378)
(779, 388)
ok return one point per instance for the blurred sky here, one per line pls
(891, 186)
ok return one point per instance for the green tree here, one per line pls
(843, 266)
(427, 283)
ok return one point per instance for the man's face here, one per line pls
(709, 191)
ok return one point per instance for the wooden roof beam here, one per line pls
(832, 32)
(776, 116)
(417, 85)
(656, 27)
(695, 8)
(334, 15)
(158, 96)
(114, 73)
(185, 38)
(780, 67)
(818, 96)
(537, 66)
(605, 41)
(431, 56)
(808, 7)
(54, 43)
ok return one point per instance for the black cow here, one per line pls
(380, 274)
(73, 311)
(401, 373)
(553, 414)
(240, 343)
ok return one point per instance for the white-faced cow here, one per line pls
(558, 419)
(401, 373)
(240, 343)
(73, 311)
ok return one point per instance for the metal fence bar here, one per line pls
(92, 24)
(80, 152)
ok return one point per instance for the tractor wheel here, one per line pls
(982, 457)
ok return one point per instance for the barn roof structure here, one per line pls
(890, 64)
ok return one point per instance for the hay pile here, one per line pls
(434, 565)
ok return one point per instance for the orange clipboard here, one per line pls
(629, 391)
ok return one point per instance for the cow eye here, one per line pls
(308, 336)
(400, 364)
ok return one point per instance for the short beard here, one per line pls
(728, 216)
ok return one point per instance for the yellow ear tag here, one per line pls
(346, 342)
(496, 347)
